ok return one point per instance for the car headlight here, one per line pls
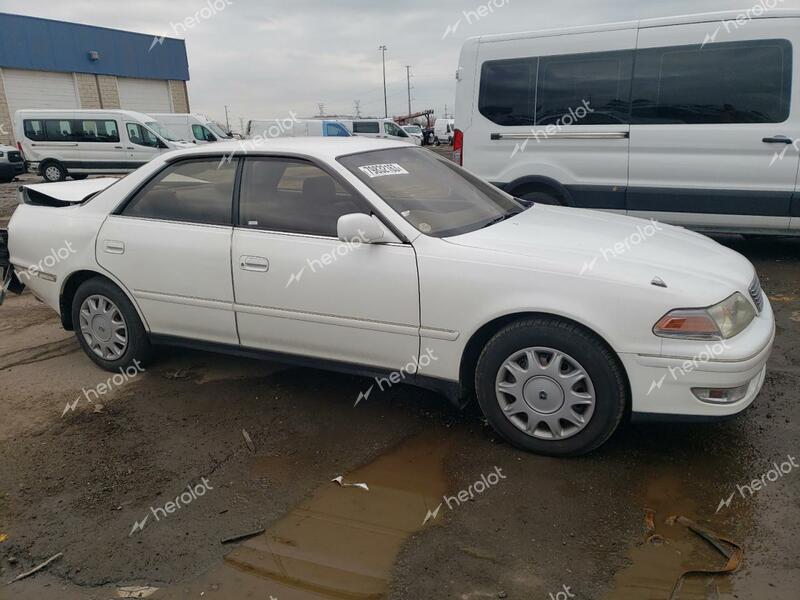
(719, 322)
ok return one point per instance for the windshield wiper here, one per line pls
(500, 219)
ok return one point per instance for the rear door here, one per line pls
(714, 133)
(171, 247)
(555, 109)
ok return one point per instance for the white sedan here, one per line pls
(382, 259)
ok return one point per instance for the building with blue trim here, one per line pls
(54, 64)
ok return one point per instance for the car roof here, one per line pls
(327, 148)
(86, 111)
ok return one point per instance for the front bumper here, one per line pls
(661, 386)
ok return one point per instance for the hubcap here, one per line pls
(103, 327)
(545, 393)
(52, 173)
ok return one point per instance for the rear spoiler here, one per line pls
(64, 193)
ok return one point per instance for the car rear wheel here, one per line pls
(108, 327)
(550, 387)
(53, 172)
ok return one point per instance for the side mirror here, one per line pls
(358, 227)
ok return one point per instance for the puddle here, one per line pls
(655, 568)
(342, 542)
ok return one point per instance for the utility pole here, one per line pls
(383, 50)
(408, 78)
(227, 121)
(241, 125)
(445, 111)
(357, 106)
(321, 109)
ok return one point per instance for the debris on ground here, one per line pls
(242, 536)
(340, 481)
(179, 374)
(136, 591)
(734, 553)
(3, 537)
(650, 536)
(249, 441)
(37, 568)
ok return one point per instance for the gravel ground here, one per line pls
(77, 480)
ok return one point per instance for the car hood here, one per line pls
(595, 244)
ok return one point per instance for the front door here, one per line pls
(142, 146)
(300, 290)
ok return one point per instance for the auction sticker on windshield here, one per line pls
(383, 170)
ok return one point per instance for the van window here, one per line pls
(202, 134)
(141, 136)
(34, 130)
(97, 131)
(730, 82)
(59, 131)
(599, 82)
(292, 196)
(336, 130)
(197, 191)
(393, 129)
(508, 91)
(366, 127)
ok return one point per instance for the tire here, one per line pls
(101, 327)
(5, 257)
(436, 141)
(6, 180)
(53, 171)
(592, 371)
(79, 176)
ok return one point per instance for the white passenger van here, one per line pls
(294, 127)
(78, 143)
(691, 120)
(378, 128)
(191, 128)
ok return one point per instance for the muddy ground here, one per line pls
(78, 480)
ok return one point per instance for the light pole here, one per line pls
(383, 50)
(227, 121)
(408, 77)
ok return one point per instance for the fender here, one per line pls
(538, 180)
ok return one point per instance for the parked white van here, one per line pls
(378, 128)
(78, 143)
(191, 128)
(691, 120)
(443, 131)
(294, 127)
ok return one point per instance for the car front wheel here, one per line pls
(550, 387)
(108, 327)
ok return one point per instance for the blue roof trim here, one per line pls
(46, 45)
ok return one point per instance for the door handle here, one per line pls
(254, 263)
(130, 148)
(117, 147)
(778, 139)
(114, 247)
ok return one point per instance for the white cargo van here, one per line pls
(443, 131)
(77, 143)
(294, 127)
(377, 128)
(191, 128)
(691, 120)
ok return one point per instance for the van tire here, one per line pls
(79, 176)
(542, 198)
(53, 171)
(436, 141)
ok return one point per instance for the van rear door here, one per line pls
(715, 124)
(554, 108)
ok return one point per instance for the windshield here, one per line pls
(216, 130)
(413, 129)
(161, 130)
(434, 195)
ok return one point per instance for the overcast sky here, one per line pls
(264, 58)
